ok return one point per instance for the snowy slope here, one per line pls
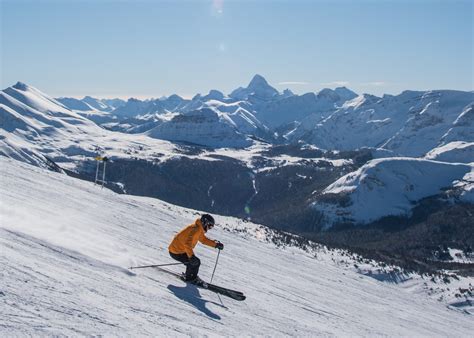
(239, 114)
(135, 107)
(257, 90)
(389, 186)
(66, 245)
(356, 124)
(23, 96)
(466, 185)
(297, 108)
(204, 127)
(288, 109)
(33, 125)
(75, 104)
(425, 129)
(463, 127)
(89, 103)
(460, 152)
(97, 103)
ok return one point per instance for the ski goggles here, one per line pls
(209, 225)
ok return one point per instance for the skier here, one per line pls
(181, 248)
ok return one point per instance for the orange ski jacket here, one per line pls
(186, 239)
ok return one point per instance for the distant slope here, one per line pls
(205, 127)
(75, 104)
(259, 102)
(385, 187)
(461, 152)
(66, 245)
(34, 125)
(409, 124)
(89, 103)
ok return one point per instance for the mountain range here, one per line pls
(302, 163)
(409, 124)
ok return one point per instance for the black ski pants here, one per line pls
(192, 264)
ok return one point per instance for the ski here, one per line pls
(237, 295)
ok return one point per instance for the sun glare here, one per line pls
(217, 7)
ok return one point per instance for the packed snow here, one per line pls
(67, 245)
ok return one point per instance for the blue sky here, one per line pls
(154, 48)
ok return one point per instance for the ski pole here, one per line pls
(215, 266)
(153, 266)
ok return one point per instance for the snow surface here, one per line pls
(390, 186)
(34, 126)
(258, 87)
(461, 152)
(204, 127)
(410, 124)
(66, 245)
(466, 184)
(460, 257)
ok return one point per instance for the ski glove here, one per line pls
(220, 246)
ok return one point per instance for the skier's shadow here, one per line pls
(190, 293)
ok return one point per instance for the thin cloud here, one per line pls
(336, 83)
(290, 83)
(375, 84)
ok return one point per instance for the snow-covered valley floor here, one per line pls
(66, 245)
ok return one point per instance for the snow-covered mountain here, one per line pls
(114, 103)
(67, 245)
(462, 128)
(96, 103)
(392, 187)
(35, 127)
(204, 127)
(75, 104)
(434, 125)
(454, 152)
(89, 103)
(258, 90)
(259, 102)
(135, 107)
(31, 120)
(426, 127)
(410, 124)
(96, 110)
(276, 109)
(297, 108)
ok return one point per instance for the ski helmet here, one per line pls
(207, 221)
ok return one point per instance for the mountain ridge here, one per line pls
(37, 129)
